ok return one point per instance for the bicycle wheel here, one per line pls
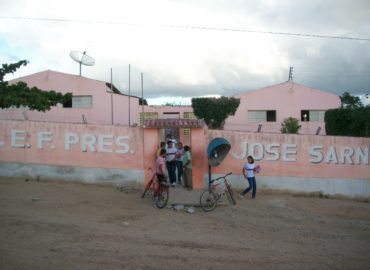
(161, 198)
(208, 200)
(230, 195)
(147, 188)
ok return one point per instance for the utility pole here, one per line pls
(111, 94)
(129, 95)
(290, 79)
(142, 97)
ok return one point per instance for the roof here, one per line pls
(282, 87)
(71, 76)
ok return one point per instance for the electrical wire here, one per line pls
(191, 27)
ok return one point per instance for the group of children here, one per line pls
(172, 156)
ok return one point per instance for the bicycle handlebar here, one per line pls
(213, 180)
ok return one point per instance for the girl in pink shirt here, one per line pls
(160, 166)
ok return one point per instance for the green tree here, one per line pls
(348, 122)
(19, 94)
(214, 111)
(350, 102)
(290, 125)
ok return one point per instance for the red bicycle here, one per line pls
(160, 191)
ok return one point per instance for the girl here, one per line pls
(248, 172)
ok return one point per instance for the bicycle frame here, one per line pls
(160, 191)
(225, 186)
(213, 195)
(153, 185)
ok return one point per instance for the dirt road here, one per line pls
(54, 225)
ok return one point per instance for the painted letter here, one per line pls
(289, 149)
(331, 156)
(256, 151)
(103, 143)
(362, 157)
(15, 138)
(315, 151)
(44, 136)
(70, 138)
(243, 155)
(274, 152)
(345, 154)
(120, 142)
(88, 140)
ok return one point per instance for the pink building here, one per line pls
(265, 109)
(93, 102)
(98, 102)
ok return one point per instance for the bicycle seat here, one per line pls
(165, 184)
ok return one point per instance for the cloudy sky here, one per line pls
(191, 48)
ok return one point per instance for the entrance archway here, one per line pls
(152, 137)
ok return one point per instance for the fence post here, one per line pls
(25, 115)
(84, 119)
(259, 128)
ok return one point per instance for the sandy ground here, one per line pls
(54, 225)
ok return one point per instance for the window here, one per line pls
(271, 116)
(262, 116)
(317, 116)
(67, 103)
(188, 115)
(305, 115)
(82, 102)
(314, 115)
(147, 116)
(78, 102)
(171, 115)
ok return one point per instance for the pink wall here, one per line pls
(304, 158)
(71, 145)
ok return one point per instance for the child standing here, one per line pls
(160, 166)
(248, 172)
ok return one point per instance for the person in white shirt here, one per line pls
(179, 167)
(248, 172)
(171, 151)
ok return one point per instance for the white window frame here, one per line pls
(317, 115)
(80, 102)
(256, 116)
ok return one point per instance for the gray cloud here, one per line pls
(195, 62)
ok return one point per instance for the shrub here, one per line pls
(290, 125)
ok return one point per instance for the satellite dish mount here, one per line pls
(82, 58)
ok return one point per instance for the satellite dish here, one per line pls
(217, 150)
(82, 58)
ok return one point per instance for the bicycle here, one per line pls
(159, 190)
(215, 193)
